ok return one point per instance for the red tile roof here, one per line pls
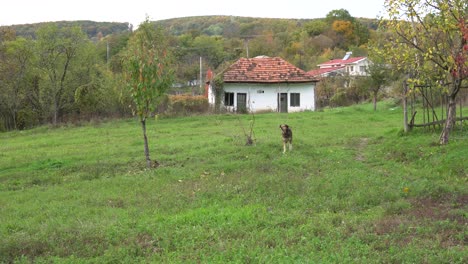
(265, 70)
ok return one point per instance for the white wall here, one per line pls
(265, 96)
(357, 68)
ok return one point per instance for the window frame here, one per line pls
(228, 99)
(295, 100)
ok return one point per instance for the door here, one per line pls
(283, 102)
(242, 102)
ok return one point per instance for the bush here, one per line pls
(184, 104)
(339, 99)
(27, 118)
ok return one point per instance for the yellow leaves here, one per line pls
(343, 27)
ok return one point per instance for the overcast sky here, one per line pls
(135, 11)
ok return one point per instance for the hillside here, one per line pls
(232, 26)
(226, 26)
(91, 28)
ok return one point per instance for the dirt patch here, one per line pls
(440, 209)
(362, 144)
(442, 219)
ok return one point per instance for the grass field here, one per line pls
(355, 189)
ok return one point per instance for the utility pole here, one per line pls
(201, 75)
(247, 47)
(107, 54)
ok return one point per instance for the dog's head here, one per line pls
(284, 127)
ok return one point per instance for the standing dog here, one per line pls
(286, 133)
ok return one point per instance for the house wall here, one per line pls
(264, 97)
(358, 68)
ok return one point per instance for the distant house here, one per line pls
(352, 66)
(266, 84)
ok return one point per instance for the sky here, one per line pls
(135, 11)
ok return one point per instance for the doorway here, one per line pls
(242, 102)
(283, 102)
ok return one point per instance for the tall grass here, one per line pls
(355, 189)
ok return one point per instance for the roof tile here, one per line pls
(265, 70)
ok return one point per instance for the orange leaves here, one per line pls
(343, 27)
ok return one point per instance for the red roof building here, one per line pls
(353, 66)
(265, 84)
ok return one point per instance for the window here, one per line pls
(351, 68)
(362, 68)
(228, 99)
(295, 99)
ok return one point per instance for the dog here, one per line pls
(287, 135)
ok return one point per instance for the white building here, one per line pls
(355, 66)
(266, 84)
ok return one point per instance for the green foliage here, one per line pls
(148, 73)
(91, 86)
(61, 51)
(16, 71)
(350, 31)
(360, 194)
(211, 48)
(183, 105)
(340, 98)
(91, 28)
(339, 15)
(148, 69)
(315, 27)
(430, 45)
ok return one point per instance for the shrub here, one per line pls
(184, 104)
(339, 99)
(27, 119)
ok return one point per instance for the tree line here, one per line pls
(62, 71)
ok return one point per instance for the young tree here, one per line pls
(148, 71)
(431, 45)
(379, 77)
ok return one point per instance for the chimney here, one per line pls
(348, 54)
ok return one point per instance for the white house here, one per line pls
(266, 84)
(353, 66)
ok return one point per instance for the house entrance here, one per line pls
(242, 102)
(283, 102)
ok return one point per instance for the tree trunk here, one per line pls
(405, 107)
(55, 117)
(449, 123)
(15, 122)
(375, 100)
(147, 155)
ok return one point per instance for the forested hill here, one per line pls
(226, 26)
(91, 28)
(232, 26)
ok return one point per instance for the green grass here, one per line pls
(355, 189)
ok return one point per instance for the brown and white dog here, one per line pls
(287, 135)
